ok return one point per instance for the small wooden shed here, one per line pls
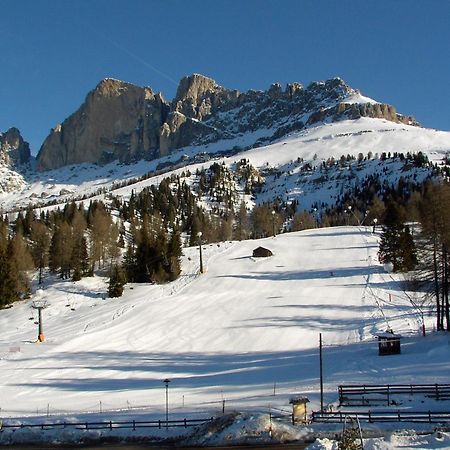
(261, 252)
(389, 343)
(298, 403)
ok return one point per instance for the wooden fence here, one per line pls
(382, 416)
(375, 394)
(108, 425)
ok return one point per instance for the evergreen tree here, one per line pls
(174, 253)
(9, 282)
(61, 247)
(117, 281)
(79, 259)
(396, 243)
(40, 243)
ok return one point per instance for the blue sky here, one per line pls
(54, 51)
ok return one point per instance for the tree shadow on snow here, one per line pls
(309, 274)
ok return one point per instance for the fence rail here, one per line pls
(373, 394)
(104, 425)
(382, 416)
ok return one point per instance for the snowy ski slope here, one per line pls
(246, 332)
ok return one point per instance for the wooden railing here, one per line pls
(382, 416)
(103, 425)
(375, 394)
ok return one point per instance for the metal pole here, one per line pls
(40, 322)
(273, 224)
(167, 406)
(321, 372)
(41, 337)
(166, 382)
(201, 258)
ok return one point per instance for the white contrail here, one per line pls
(134, 56)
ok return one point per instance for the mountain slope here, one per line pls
(284, 158)
(235, 331)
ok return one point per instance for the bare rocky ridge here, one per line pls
(119, 120)
(14, 151)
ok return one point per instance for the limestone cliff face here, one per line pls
(122, 121)
(14, 151)
(118, 120)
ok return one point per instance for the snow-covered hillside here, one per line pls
(313, 144)
(246, 332)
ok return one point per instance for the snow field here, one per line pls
(245, 332)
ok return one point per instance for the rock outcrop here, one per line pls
(122, 121)
(118, 120)
(14, 151)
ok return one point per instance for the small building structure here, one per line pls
(261, 252)
(299, 414)
(389, 343)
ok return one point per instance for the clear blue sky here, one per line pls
(54, 51)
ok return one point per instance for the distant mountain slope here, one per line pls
(280, 163)
(14, 156)
(121, 121)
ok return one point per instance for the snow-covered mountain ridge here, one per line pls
(121, 121)
(283, 159)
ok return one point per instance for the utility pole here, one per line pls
(321, 372)
(273, 223)
(199, 235)
(166, 382)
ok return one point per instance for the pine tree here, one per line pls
(61, 247)
(79, 259)
(40, 243)
(396, 243)
(117, 281)
(174, 253)
(9, 289)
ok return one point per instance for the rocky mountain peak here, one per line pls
(192, 88)
(123, 121)
(335, 88)
(110, 87)
(14, 151)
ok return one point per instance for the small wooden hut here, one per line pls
(388, 343)
(261, 252)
